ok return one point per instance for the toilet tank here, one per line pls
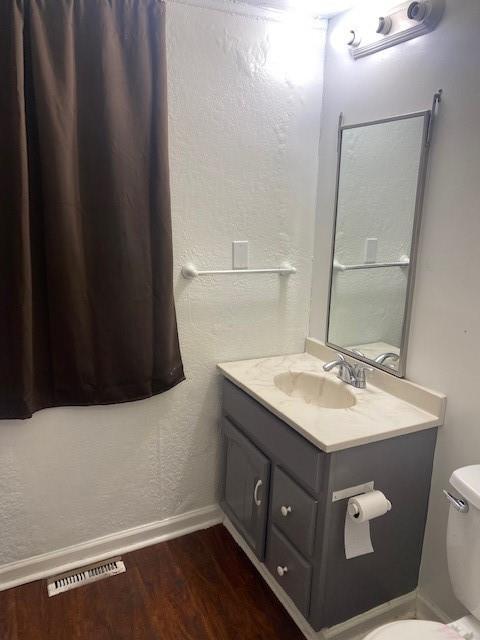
(463, 539)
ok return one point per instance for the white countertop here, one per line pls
(377, 414)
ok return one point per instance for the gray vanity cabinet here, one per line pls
(279, 493)
(247, 479)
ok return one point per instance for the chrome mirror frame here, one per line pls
(425, 145)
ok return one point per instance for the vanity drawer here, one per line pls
(290, 570)
(293, 511)
(282, 443)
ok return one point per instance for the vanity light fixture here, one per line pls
(403, 22)
(384, 25)
(417, 11)
(353, 38)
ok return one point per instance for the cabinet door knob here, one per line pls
(285, 511)
(258, 501)
(282, 571)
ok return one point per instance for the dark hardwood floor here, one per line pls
(198, 587)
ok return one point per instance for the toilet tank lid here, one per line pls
(467, 482)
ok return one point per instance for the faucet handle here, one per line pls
(342, 364)
(363, 368)
(394, 357)
(361, 371)
(366, 367)
(358, 352)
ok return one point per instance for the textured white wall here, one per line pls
(444, 345)
(245, 97)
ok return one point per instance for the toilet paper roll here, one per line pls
(360, 510)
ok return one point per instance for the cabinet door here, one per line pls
(247, 479)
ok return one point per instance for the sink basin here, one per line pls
(315, 389)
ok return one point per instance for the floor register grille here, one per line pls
(84, 575)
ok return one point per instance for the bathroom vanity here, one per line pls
(300, 442)
(296, 439)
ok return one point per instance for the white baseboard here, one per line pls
(402, 608)
(412, 605)
(353, 629)
(47, 564)
(427, 610)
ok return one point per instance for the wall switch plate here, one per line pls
(371, 245)
(240, 254)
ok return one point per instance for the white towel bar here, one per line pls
(403, 262)
(190, 271)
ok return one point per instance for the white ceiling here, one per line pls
(324, 8)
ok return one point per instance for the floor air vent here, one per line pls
(84, 575)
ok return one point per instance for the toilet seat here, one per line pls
(414, 630)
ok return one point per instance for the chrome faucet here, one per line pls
(394, 357)
(349, 372)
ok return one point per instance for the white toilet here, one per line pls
(463, 552)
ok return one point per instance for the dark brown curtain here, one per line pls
(86, 299)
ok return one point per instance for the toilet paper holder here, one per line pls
(361, 510)
(349, 492)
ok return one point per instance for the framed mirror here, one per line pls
(380, 179)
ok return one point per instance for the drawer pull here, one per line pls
(258, 501)
(282, 571)
(285, 511)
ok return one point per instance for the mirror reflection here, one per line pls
(378, 201)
